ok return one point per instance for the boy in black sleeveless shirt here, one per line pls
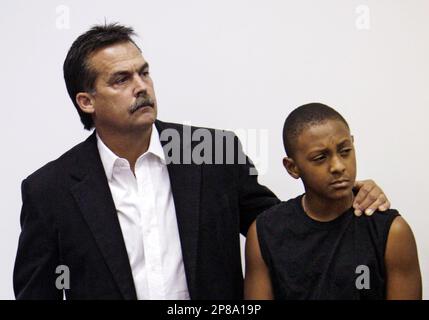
(313, 246)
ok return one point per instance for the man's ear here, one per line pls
(291, 167)
(353, 138)
(86, 102)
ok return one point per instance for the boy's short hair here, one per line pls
(304, 116)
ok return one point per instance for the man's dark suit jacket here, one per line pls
(69, 218)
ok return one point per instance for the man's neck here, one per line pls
(323, 209)
(130, 145)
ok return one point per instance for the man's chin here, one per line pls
(146, 118)
(144, 124)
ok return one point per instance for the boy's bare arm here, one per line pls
(257, 282)
(402, 265)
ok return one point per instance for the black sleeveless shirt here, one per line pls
(313, 260)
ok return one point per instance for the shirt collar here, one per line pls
(155, 146)
(109, 159)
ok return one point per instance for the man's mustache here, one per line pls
(142, 101)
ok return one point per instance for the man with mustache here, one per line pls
(125, 222)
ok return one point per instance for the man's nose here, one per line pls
(139, 85)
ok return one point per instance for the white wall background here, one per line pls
(231, 64)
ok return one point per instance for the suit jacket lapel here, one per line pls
(95, 201)
(185, 182)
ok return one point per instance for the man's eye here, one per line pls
(121, 80)
(346, 151)
(145, 73)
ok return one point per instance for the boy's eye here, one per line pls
(319, 158)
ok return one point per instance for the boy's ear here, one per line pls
(85, 101)
(291, 167)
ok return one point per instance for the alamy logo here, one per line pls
(220, 147)
(63, 17)
(363, 19)
(363, 280)
(63, 280)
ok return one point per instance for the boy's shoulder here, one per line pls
(380, 216)
(377, 226)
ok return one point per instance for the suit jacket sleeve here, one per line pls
(37, 257)
(254, 198)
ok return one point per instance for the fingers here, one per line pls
(381, 204)
(370, 198)
(384, 206)
(364, 188)
(366, 204)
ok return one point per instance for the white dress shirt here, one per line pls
(147, 217)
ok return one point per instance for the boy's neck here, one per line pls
(322, 209)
